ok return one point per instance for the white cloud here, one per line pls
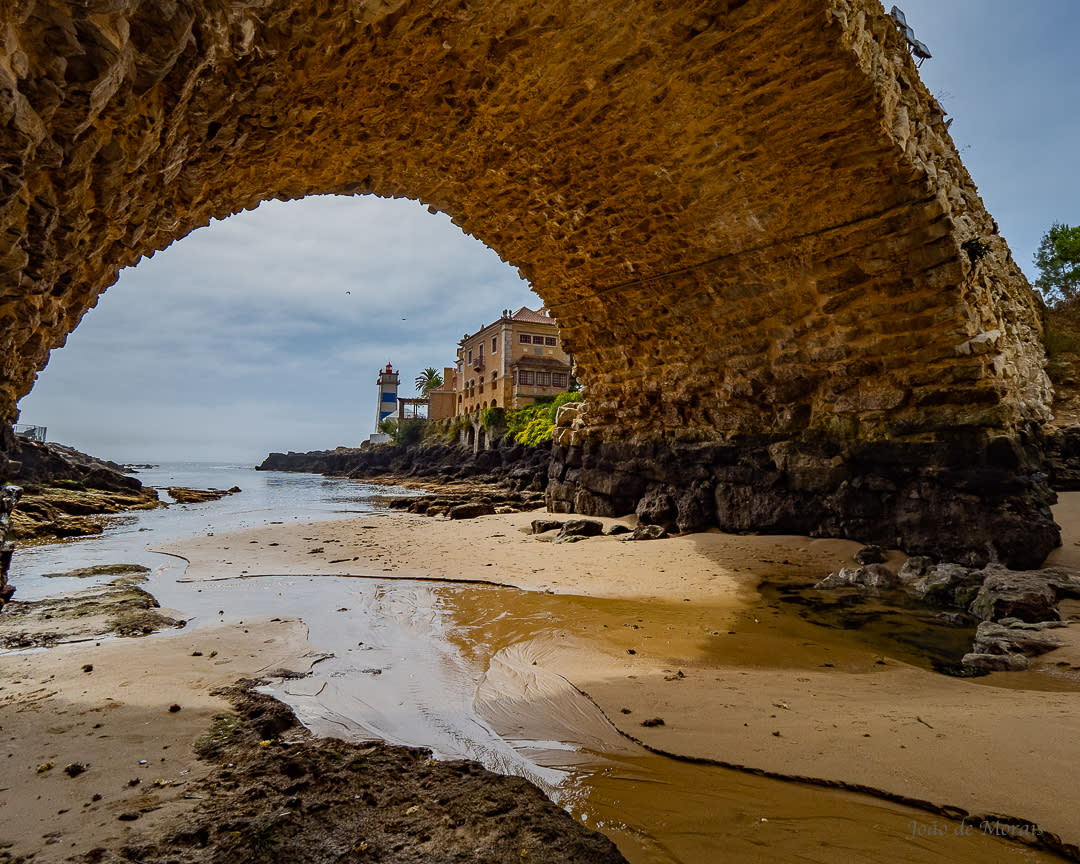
(266, 331)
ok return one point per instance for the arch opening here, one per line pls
(266, 332)
(755, 255)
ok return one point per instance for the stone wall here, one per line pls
(747, 215)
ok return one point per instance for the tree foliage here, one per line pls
(427, 381)
(405, 433)
(534, 424)
(1058, 260)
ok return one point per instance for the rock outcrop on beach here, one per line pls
(1063, 456)
(284, 793)
(183, 495)
(66, 492)
(1015, 609)
(117, 608)
(9, 497)
(871, 492)
(515, 466)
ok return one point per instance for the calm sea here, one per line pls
(266, 497)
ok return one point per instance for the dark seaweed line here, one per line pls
(1046, 841)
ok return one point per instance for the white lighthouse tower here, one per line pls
(387, 406)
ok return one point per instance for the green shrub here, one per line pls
(409, 432)
(492, 418)
(534, 424)
(388, 426)
(457, 426)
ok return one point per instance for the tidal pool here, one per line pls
(461, 670)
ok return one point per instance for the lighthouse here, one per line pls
(388, 384)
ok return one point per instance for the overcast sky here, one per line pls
(266, 331)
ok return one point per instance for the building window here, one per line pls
(494, 344)
(526, 377)
(481, 350)
(543, 379)
(558, 379)
(494, 375)
(525, 339)
(550, 340)
(470, 355)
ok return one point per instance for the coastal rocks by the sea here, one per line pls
(118, 608)
(183, 495)
(99, 570)
(513, 466)
(475, 499)
(914, 568)
(580, 528)
(472, 510)
(657, 507)
(946, 585)
(392, 803)
(65, 492)
(870, 555)
(1030, 595)
(542, 526)
(1063, 457)
(1016, 608)
(647, 532)
(1006, 645)
(9, 497)
(876, 576)
(882, 493)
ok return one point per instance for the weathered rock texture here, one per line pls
(512, 465)
(747, 215)
(9, 497)
(65, 491)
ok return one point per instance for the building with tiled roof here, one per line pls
(512, 361)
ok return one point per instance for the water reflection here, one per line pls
(265, 498)
(460, 669)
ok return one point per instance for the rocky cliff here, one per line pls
(64, 491)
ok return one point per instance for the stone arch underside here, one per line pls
(787, 304)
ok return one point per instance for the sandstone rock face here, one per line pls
(748, 216)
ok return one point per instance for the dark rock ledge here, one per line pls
(278, 793)
(971, 500)
(1017, 610)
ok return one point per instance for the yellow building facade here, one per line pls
(512, 361)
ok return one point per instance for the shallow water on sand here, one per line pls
(266, 498)
(450, 667)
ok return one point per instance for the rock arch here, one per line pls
(764, 251)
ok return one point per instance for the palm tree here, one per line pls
(427, 381)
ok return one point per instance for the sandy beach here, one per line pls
(107, 705)
(1002, 744)
(735, 680)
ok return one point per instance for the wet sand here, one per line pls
(671, 629)
(758, 688)
(114, 719)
